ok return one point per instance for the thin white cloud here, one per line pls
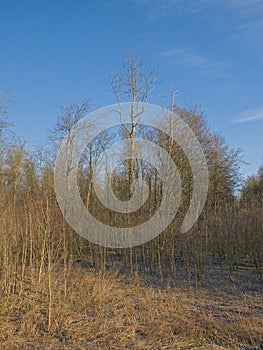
(190, 59)
(249, 12)
(250, 116)
(250, 30)
(247, 24)
(166, 7)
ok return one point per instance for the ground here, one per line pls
(110, 311)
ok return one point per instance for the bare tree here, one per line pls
(67, 119)
(133, 84)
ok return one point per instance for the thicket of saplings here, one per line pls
(36, 242)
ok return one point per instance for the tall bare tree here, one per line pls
(134, 84)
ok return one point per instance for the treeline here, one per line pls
(36, 241)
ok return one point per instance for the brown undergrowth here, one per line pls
(107, 311)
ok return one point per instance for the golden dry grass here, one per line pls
(105, 311)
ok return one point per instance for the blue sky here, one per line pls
(53, 52)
